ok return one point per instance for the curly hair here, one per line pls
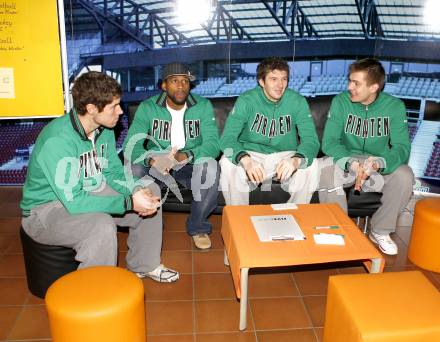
(94, 88)
(271, 64)
(374, 71)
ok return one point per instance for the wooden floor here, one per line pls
(285, 305)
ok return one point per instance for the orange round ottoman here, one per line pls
(102, 303)
(424, 246)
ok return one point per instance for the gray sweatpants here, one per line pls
(396, 191)
(236, 187)
(93, 235)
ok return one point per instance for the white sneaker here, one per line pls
(161, 274)
(385, 243)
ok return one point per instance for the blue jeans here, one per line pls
(202, 179)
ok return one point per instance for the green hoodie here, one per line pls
(152, 122)
(379, 129)
(260, 125)
(66, 166)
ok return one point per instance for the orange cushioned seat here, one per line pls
(101, 303)
(424, 246)
(384, 307)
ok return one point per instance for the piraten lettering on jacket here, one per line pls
(261, 124)
(161, 129)
(367, 127)
(91, 162)
(192, 128)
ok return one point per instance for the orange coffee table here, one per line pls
(244, 250)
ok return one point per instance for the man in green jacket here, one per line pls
(76, 192)
(366, 136)
(174, 138)
(259, 141)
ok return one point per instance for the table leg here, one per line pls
(244, 297)
(225, 258)
(375, 265)
(365, 225)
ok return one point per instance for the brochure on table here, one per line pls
(277, 227)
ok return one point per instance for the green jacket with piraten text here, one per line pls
(379, 129)
(260, 125)
(150, 130)
(66, 166)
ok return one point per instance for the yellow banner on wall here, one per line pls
(30, 59)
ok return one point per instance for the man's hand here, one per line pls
(180, 156)
(145, 203)
(371, 165)
(355, 165)
(254, 170)
(164, 163)
(286, 168)
(364, 171)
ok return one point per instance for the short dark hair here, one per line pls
(271, 64)
(94, 88)
(375, 73)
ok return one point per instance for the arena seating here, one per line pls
(425, 137)
(13, 176)
(418, 87)
(210, 86)
(217, 87)
(322, 85)
(412, 127)
(15, 136)
(330, 84)
(433, 167)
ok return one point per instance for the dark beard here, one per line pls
(177, 102)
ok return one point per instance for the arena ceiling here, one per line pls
(156, 24)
